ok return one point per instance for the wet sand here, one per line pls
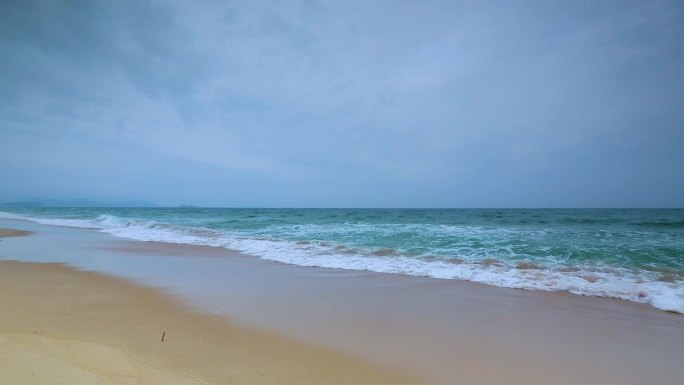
(59, 325)
(6, 233)
(437, 331)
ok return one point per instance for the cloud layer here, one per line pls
(315, 103)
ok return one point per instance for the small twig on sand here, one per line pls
(163, 334)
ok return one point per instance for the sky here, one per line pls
(344, 103)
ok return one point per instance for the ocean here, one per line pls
(631, 254)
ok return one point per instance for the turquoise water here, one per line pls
(633, 254)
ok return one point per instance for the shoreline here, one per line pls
(133, 246)
(437, 331)
(166, 248)
(655, 286)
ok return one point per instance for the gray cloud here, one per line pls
(314, 103)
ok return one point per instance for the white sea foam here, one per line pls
(52, 221)
(632, 285)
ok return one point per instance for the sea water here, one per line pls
(632, 254)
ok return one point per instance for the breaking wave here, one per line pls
(490, 262)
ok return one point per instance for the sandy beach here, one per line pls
(5, 233)
(230, 318)
(59, 325)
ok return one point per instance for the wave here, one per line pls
(662, 224)
(663, 291)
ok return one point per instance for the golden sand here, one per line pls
(62, 326)
(13, 233)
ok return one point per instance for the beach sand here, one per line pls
(320, 325)
(62, 326)
(5, 233)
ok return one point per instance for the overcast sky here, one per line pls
(344, 103)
